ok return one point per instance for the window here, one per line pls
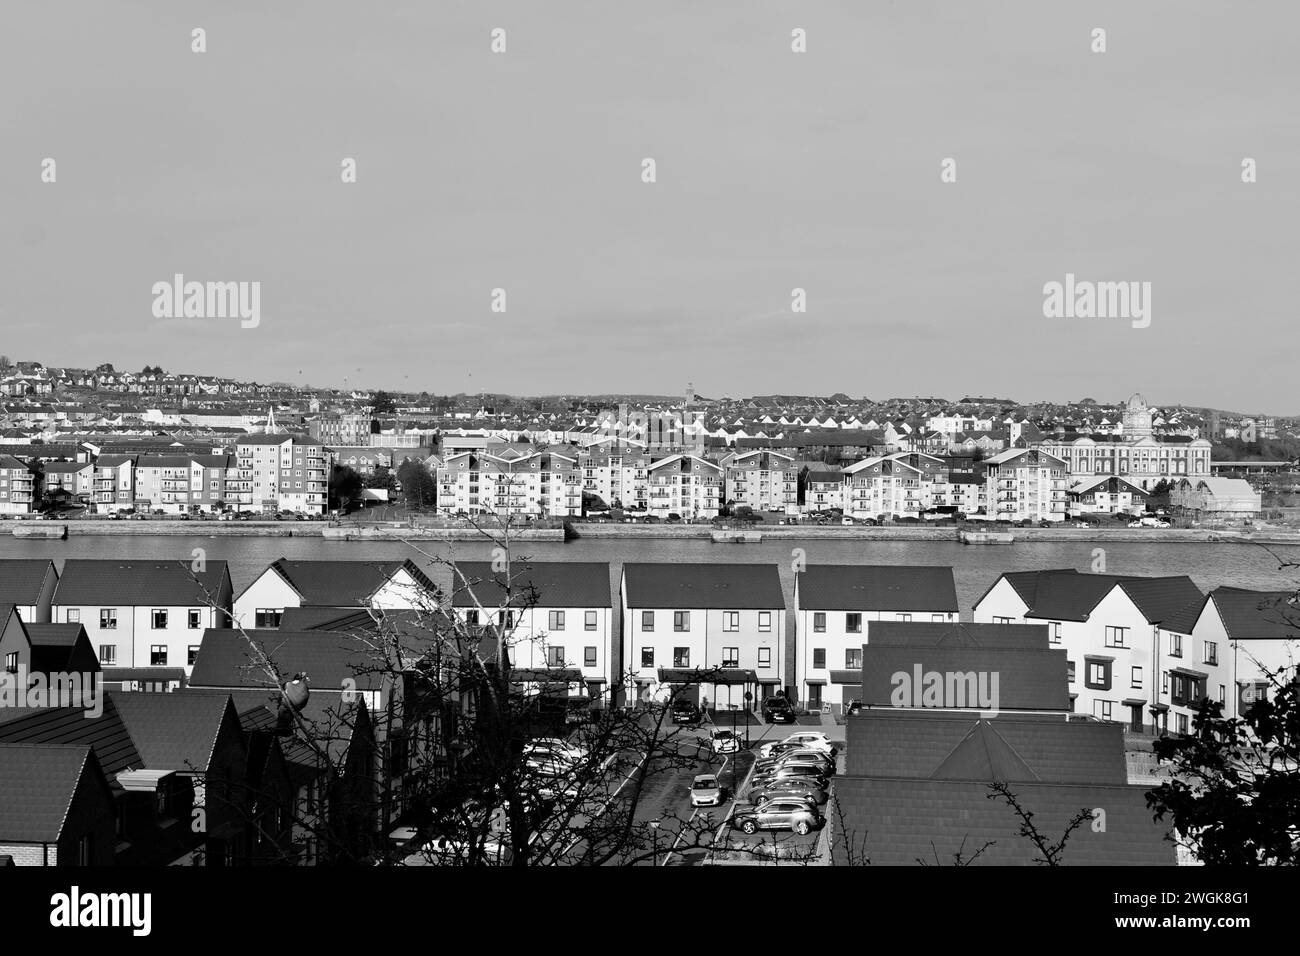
(819, 621)
(555, 657)
(731, 657)
(681, 657)
(1223, 694)
(1069, 671)
(192, 655)
(1116, 636)
(765, 657)
(158, 655)
(1164, 683)
(1175, 645)
(159, 618)
(267, 616)
(108, 618)
(765, 620)
(903, 616)
(506, 618)
(938, 618)
(647, 620)
(1136, 677)
(730, 621)
(681, 620)
(1056, 632)
(1182, 723)
(853, 659)
(1097, 675)
(647, 657)
(195, 619)
(1101, 708)
(589, 621)
(74, 615)
(819, 657)
(853, 623)
(1001, 620)
(471, 618)
(555, 621)
(1211, 655)
(108, 654)
(589, 656)
(11, 662)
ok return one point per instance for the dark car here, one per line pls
(793, 789)
(777, 710)
(684, 711)
(809, 774)
(821, 762)
(779, 814)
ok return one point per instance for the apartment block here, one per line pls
(1025, 484)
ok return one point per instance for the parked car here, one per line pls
(684, 711)
(781, 814)
(777, 710)
(706, 791)
(725, 742)
(775, 748)
(814, 739)
(811, 774)
(798, 758)
(792, 787)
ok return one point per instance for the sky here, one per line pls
(774, 170)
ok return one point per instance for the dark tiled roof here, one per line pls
(1172, 601)
(533, 584)
(343, 583)
(120, 674)
(37, 784)
(326, 657)
(1257, 615)
(21, 579)
(901, 822)
(719, 586)
(869, 587)
(53, 635)
(69, 725)
(894, 743)
(133, 583)
(924, 634)
(173, 731)
(1027, 680)
(1067, 595)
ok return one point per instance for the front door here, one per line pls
(814, 696)
(1135, 718)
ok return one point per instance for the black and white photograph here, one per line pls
(444, 437)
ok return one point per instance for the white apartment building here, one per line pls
(900, 484)
(825, 490)
(17, 486)
(113, 483)
(834, 606)
(555, 620)
(1125, 637)
(1025, 483)
(510, 480)
(143, 614)
(277, 473)
(762, 480)
(685, 485)
(1105, 494)
(713, 631)
(617, 472)
(1143, 461)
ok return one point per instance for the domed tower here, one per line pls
(1137, 419)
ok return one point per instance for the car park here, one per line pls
(724, 742)
(782, 814)
(706, 791)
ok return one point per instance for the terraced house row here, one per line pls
(1139, 650)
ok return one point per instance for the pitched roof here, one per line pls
(866, 587)
(71, 725)
(952, 634)
(37, 784)
(532, 584)
(957, 746)
(21, 579)
(173, 731)
(1026, 680)
(1257, 615)
(903, 822)
(719, 586)
(326, 657)
(343, 583)
(1068, 595)
(91, 582)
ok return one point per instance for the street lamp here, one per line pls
(748, 697)
(654, 836)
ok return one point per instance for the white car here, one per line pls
(809, 739)
(725, 742)
(706, 791)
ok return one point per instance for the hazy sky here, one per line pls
(775, 170)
